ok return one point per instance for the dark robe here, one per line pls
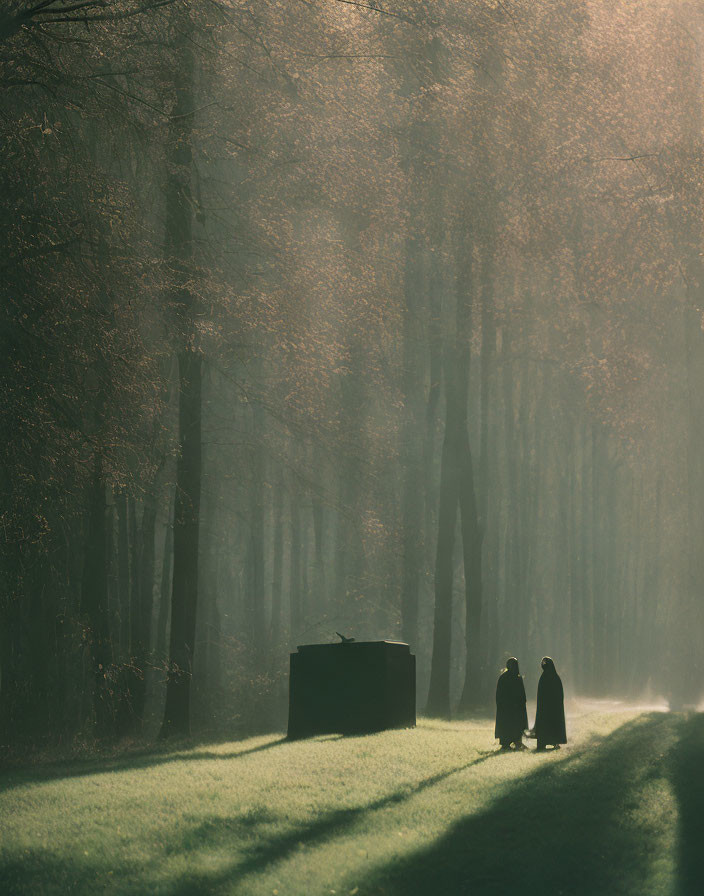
(550, 714)
(511, 715)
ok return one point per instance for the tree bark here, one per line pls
(319, 578)
(184, 595)
(179, 250)
(123, 574)
(166, 567)
(256, 595)
(439, 690)
(457, 491)
(411, 447)
(472, 544)
(278, 562)
(295, 597)
(94, 600)
(135, 582)
(141, 648)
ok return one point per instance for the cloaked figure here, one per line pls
(550, 714)
(511, 715)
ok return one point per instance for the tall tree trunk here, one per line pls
(319, 577)
(456, 491)
(474, 505)
(411, 446)
(342, 541)
(432, 407)
(112, 586)
(256, 595)
(179, 249)
(439, 691)
(184, 595)
(575, 565)
(510, 387)
(472, 543)
(295, 596)
(215, 636)
(141, 648)
(165, 591)
(94, 600)
(123, 574)
(278, 563)
(587, 562)
(135, 583)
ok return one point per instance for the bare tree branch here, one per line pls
(383, 12)
(54, 12)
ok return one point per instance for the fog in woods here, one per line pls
(374, 318)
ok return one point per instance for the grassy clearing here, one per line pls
(435, 810)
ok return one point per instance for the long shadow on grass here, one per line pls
(216, 833)
(687, 776)
(40, 872)
(560, 830)
(83, 768)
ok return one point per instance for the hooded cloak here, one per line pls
(511, 715)
(550, 714)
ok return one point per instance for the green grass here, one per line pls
(435, 810)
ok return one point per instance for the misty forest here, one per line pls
(327, 320)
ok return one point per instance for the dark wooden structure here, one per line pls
(351, 688)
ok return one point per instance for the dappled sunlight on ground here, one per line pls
(582, 705)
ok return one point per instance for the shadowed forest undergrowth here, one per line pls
(434, 810)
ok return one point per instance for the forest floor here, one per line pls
(433, 810)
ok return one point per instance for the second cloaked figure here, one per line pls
(550, 713)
